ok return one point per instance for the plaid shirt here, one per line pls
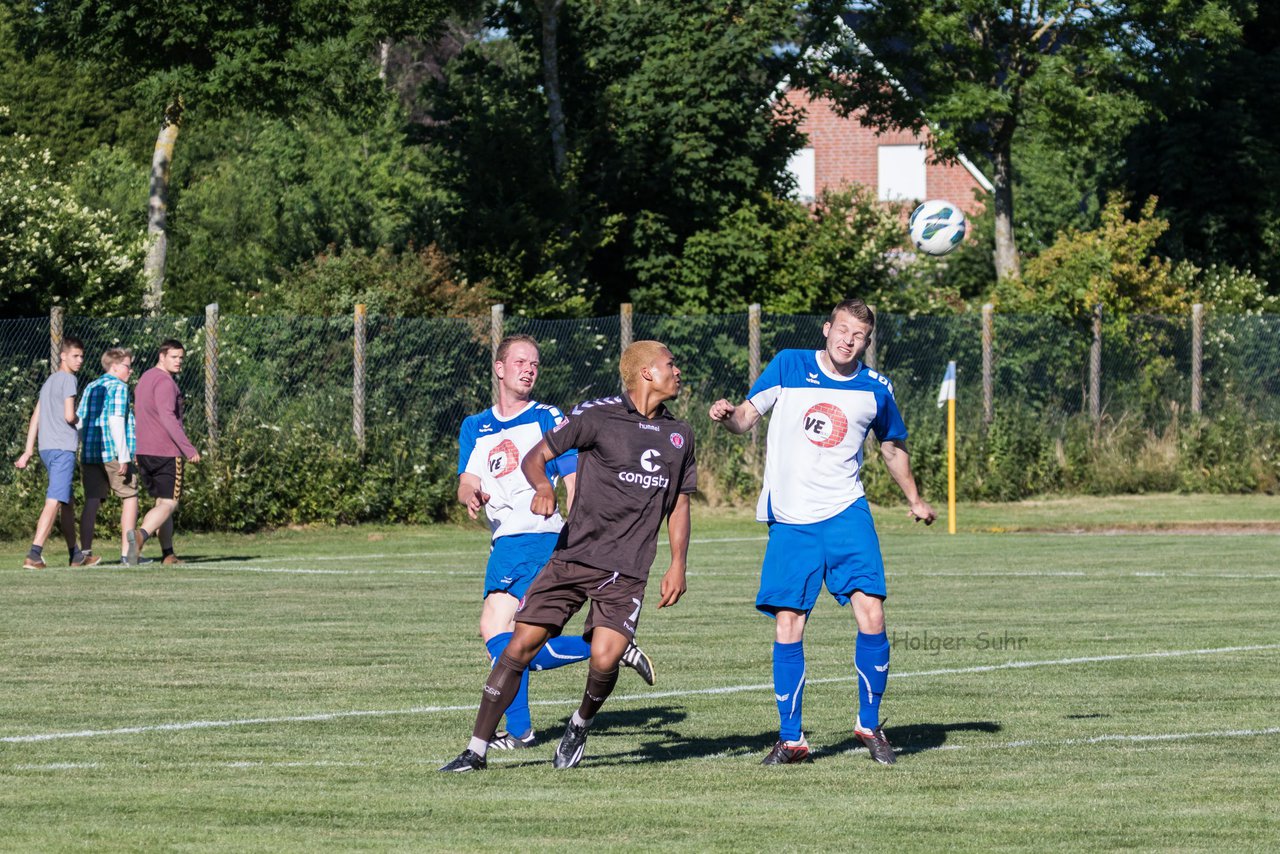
(103, 398)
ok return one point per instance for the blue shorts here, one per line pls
(61, 466)
(843, 552)
(515, 561)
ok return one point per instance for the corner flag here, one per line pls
(948, 390)
(947, 395)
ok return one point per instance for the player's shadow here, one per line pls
(662, 741)
(917, 738)
(197, 559)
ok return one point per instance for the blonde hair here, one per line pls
(636, 358)
(114, 356)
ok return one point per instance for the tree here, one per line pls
(223, 58)
(977, 69)
(672, 126)
(1210, 152)
(55, 249)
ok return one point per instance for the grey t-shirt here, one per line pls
(631, 471)
(54, 433)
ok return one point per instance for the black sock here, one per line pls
(35, 552)
(166, 552)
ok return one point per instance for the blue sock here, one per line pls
(560, 651)
(871, 659)
(518, 720)
(788, 687)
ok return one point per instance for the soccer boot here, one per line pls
(87, 560)
(569, 751)
(134, 539)
(788, 753)
(468, 760)
(503, 740)
(877, 743)
(634, 657)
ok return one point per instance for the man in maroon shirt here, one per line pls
(163, 448)
(636, 468)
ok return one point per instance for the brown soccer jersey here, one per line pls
(631, 471)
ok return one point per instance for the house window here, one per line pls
(901, 172)
(802, 169)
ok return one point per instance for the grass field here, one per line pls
(1114, 688)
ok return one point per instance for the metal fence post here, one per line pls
(495, 338)
(357, 382)
(988, 386)
(869, 356)
(211, 375)
(753, 356)
(1095, 368)
(55, 336)
(624, 327)
(1197, 355)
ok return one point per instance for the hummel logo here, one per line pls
(781, 698)
(486, 428)
(880, 668)
(812, 378)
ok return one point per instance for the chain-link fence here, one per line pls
(424, 375)
(300, 380)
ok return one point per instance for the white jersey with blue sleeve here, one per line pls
(491, 448)
(820, 421)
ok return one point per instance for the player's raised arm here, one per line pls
(678, 526)
(534, 466)
(898, 461)
(736, 419)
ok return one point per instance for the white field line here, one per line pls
(728, 689)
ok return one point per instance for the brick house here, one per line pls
(895, 164)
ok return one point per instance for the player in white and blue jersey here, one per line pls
(491, 445)
(824, 404)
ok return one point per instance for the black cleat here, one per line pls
(877, 743)
(503, 740)
(569, 751)
(788, 753)
(634, 657)
(468, 760)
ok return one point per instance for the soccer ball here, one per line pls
(937, 227)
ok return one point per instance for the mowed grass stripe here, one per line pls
(1133, 754)
(324, 717)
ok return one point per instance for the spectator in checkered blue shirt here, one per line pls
(106, 458)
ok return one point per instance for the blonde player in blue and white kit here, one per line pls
(491, 445)
(824, 404)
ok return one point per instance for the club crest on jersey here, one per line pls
(504, 458)
(677, 440)
(825, 425)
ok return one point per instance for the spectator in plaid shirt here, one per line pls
(107, 455)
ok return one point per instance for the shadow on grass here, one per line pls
(917, 738)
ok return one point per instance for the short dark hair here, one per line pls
(857, 308)
(69, 343)
(505, 344)
(171, 344)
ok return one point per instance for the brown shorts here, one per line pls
(101, 480)
(562, 588)
(162, 476)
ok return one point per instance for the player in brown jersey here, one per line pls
(636, 467)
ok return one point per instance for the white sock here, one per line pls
(478, 746)
(578, 719)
